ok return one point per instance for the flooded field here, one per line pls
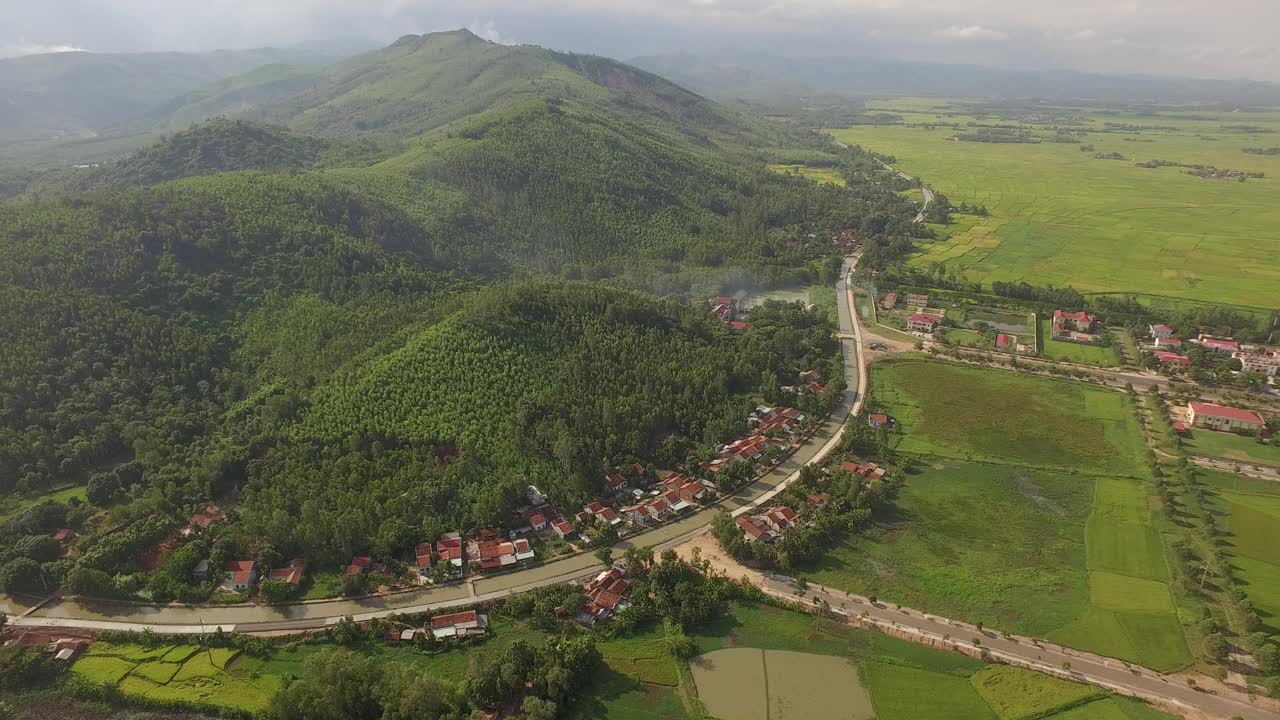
(751, 684)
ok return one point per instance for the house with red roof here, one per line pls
(753, 529)
(202, 520)
(291, 574)
(920, 322)
(615, 482)
(605, 595)
(240, 575)
(1169, 342)
(878, 420)
(64, 534)
(1220, 417)
(538, 522)
(819, 500)
(1004, 342)
(1172, 359)
(1160, 332)
(562, 528)
(460, 625)
(450, 552)
(890, 301)
(1065, 323)
(1218, 344)
(359, 565)
(739, 326)
(781, 519)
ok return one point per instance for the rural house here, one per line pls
(890, 301)
(1267, 365)
(917, 300)
(1173, 359)
(1218, 344)
(291, 574)
(459, 625)
(1065, 323)
(359, 565)
(878, 420)
(922, 323)
(1173, 343)
(422, 562)
(1218, 417)
(754, 529)
(240, 575)
(1161, 332)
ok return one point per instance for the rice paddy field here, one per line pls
(1061, 216)
(1028, 510)
(12, 505)
(1249, 512)
(1231, 446)
(969, 413)
(799, 666)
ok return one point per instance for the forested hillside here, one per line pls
(356, 355)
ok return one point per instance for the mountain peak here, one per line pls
(461, 35)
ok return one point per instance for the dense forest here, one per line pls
(356, 356)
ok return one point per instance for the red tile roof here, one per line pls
(240, 565)
(922, 318)
(819, 499)
(1228, 413)
(536, 519)
(443, 621)
(1175, 358)
(1079, 316)
(63, 534)
(750, 527)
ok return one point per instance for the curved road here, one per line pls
(85, 613)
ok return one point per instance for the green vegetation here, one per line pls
(988, 542)
(970, 413)
(1016, 693)
(819, 174)
(1241, 448)
(1097, 355)
(1060, 217)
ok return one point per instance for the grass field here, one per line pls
(1095, 355)
(1231, 446)
(12, 505)
(756, 684)
(1016, 693)
(1059, 216)
(822, 175)
(977, 414)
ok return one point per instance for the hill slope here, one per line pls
(328, 341)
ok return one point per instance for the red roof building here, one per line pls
(1168, 342)
(292, 573)
(64, 534)
(359, 565)
(1065, 323)
(1003, 341)
(890, 301)
(819, 500)
(920, 322)
(1168, 358)
(739, 326)
(1217, 344)
(753, 531)
(1219, 417)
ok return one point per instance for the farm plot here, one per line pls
(1016, 693)
(986, 415)
(751, 684)
(990, 542)
(1249, 512)
(1059, 216)
(819, 174)
(181, 673)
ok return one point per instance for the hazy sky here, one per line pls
(1217, 38)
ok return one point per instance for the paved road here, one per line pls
(928, 194)
(74, 612)
(1170, 692)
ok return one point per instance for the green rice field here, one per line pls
(1231, 446)
(12, 505)
(989, 543)
(977, 414)
(1249, 513)
(1060, 216)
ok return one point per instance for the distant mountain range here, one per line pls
(81, 94)
(762, 77)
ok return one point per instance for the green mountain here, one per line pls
(386, 349)
(81, 94)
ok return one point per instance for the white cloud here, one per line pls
(969, 32)
(488, 31)
(8, 51)
(1085, 34)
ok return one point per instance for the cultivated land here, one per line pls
(975, 414)
(1061, 216)
(1249, 512)
(1050, 535)
(904, 681)
(820, 174)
